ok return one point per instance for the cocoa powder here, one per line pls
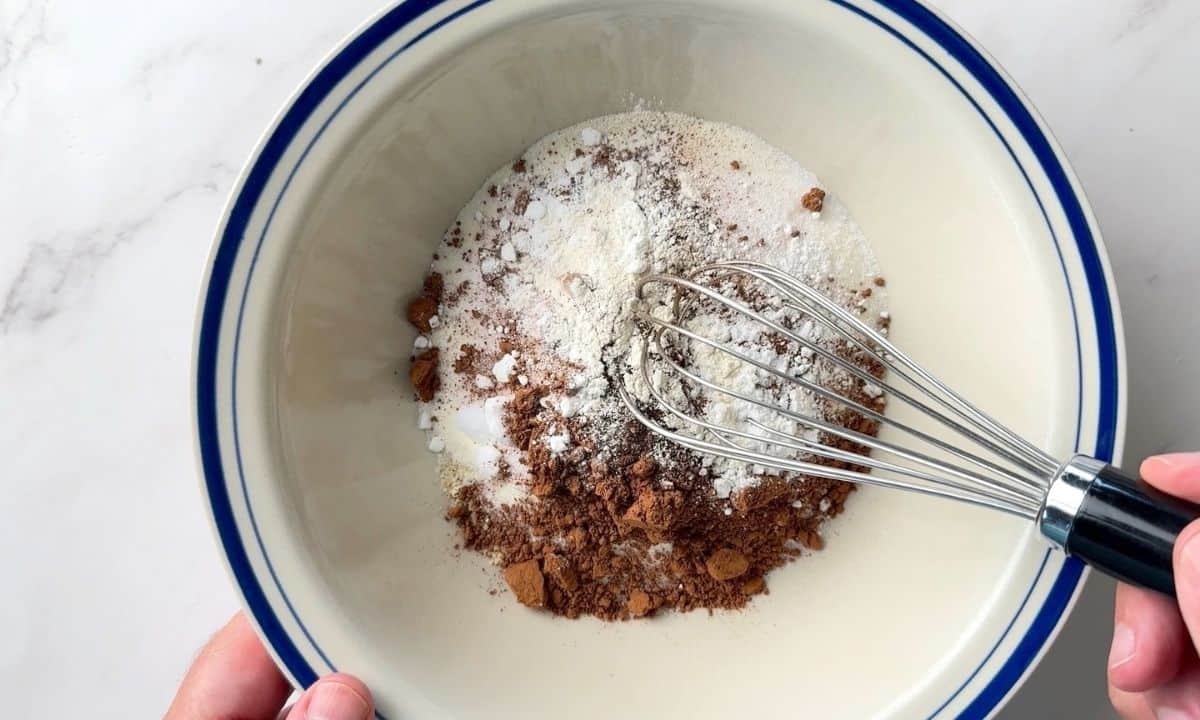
(423, 373)
(726, 564)
(813, 200)
(527, 583)
(425, 306)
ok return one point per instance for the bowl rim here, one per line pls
(959, 47)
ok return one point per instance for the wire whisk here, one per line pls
(1084, 506)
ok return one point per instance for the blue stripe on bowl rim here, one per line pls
(388, 24)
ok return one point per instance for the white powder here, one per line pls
(605, 202)
(493, 416)
(490, 266)
(567, 407)
(535, 211)
(558, 443)
(503, 368)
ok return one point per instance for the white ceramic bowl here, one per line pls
(326, 504)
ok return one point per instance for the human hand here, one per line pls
(234, 678)
(1153, 666)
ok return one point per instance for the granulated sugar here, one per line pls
(526, 323)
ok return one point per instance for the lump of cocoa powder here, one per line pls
(654, 512)
(726, 564)
(527, 583)
(639, 603)
(425, 305)
(754, 586)
(813, 540)
(643, 468)
(424, 374)
(464, 364)
(433, 286)
(420, 310)
(560, 571)
(766, 491)
(813, 200)
(525, 400)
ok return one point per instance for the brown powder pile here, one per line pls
(615, 534)
(585, 555)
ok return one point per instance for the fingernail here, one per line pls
(1167, 713)
(1174, 460)
(1124, 645)
(335, 701)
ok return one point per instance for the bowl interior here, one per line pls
(909, 594)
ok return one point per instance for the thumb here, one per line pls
(233, 677)
(334, 697)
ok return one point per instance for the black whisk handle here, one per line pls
(1117, 524)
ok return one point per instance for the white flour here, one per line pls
(562, 241)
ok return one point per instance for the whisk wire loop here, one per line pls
(824, 471)
(1011, 480)
(1014, 481)
(889, 354)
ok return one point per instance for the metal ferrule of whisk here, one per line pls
(937, 443)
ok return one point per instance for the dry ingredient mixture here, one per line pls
(525, 335)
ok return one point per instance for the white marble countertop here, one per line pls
(122, 125)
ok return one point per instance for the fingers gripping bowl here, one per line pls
(326, 503)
